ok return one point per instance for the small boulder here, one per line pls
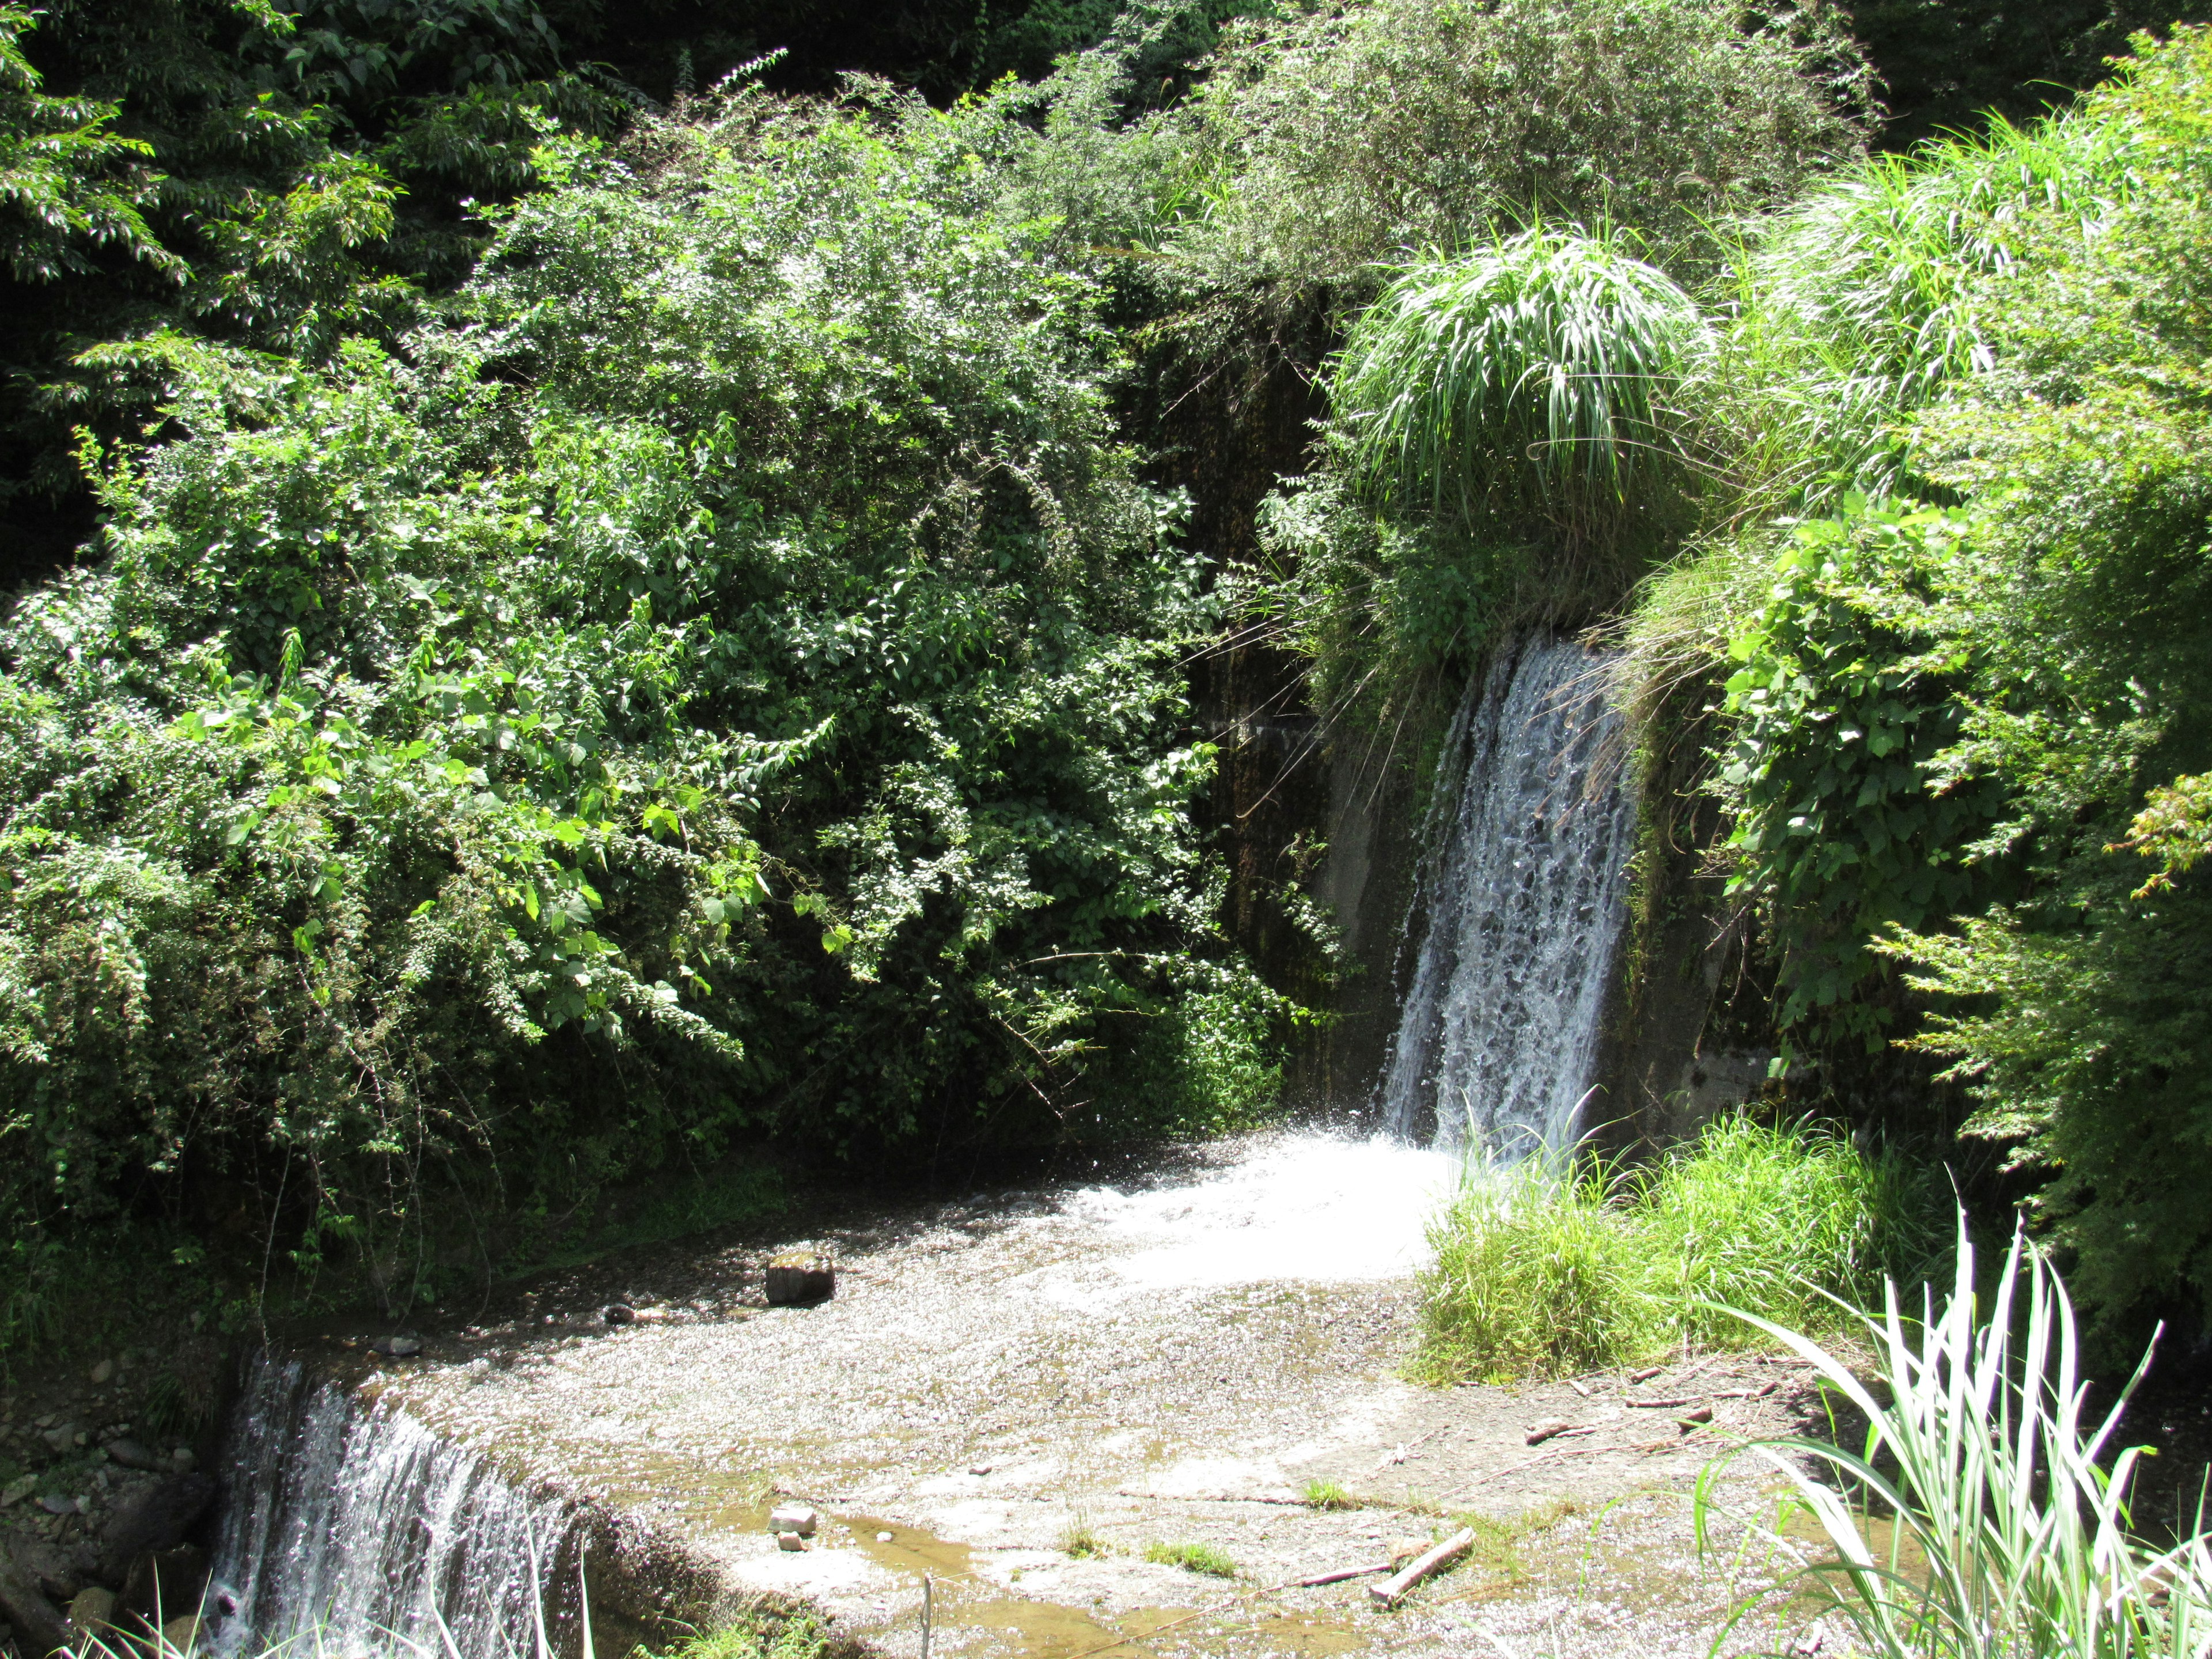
(800, 1518)
(181, 1635)
(789, 1540)
(16, 1491)
(619, 1313)
(130, 1454)
(56, 1503)
(103, 1373)
(798, 1277)
(92, 1611)
(396, 1346)
(60, 1437)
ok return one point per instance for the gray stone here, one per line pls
(619, 1313)
(789, 1540)
(397, 1346)
(40, 1627)
(132, 1455)
(61, 1437)
(158, 1585)
(54, 1504)
(103, 1373)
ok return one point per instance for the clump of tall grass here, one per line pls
(1547, 1269)
(1985, 1514)
(1533, 376)
(1781, 1219)
(1537, 1274)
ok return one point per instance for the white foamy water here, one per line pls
(1313, 1207)
(349, 1528)
(1524, 897)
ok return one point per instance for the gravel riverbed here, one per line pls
(1018, 1397)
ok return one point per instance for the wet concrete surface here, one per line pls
(1016, 1398)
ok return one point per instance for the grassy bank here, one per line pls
(1542, 1270)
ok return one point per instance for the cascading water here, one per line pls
(349, 1524)
(1525, 894)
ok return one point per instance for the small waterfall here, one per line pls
(1525, 895)
(349, 1524)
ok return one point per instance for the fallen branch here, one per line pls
(1341, 1574)
(1658, 1405)
(1392, 1590)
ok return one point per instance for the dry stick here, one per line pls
(1391, 1591)
(1660, 1405)
(1341, 1574)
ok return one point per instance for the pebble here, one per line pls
(55, 1503)
(102, 1373)
(789, 1540)
(883, 1538)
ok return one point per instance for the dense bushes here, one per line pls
(1960, 713)
(725, 681)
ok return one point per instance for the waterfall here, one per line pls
(349, 1524)
(1524, 897)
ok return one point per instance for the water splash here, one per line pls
(1315, 1207)
(1525, 896)
(349, 1524)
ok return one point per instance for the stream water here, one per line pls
(1522, 899)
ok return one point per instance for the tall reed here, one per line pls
(1985, 1514)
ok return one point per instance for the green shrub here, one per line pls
(726, 683)
(1540, 1272)
(1352, 133)
(1779, 1220)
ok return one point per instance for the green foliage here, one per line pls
(70, 186)
(1986, 1512)
(1847, 818)
(1354, 133)
(1541, 1272)
(1191, 1557)
(724, 684)
(1953, 733)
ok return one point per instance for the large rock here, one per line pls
(151, 1518)
(797, 1277)
(40, 1627)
